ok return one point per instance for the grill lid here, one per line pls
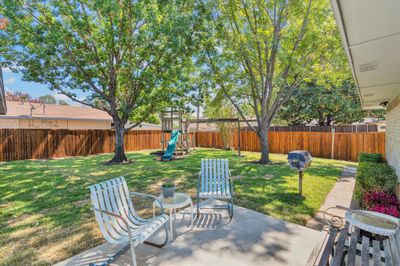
(300, 155)
(300, 159)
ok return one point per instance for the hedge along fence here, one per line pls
(341, 146)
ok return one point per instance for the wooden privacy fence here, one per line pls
(21, 144)
(341, 146)
(348, 128)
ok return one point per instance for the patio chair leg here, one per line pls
(198, 207)
(156, 244)
(231, 209)
(133, 255)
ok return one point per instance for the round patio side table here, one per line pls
(179, 200)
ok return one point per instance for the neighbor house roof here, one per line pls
(53, 111)
(370, 32)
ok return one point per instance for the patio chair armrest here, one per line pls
(116, 216)
(143, 195)
(108, 213)
(382, 216)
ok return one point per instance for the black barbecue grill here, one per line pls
(300, 160)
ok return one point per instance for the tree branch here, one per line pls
(226, 91)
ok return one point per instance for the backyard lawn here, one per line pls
(45, 214)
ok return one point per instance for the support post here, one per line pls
(163, 130)
(301, 183)
(239, 153)
(181, 140)
(333, 144)
(187, 135)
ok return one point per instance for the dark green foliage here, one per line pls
(325, 103)
(374, 177)
(168, 184)
(371, 157)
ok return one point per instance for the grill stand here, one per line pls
(301, 183)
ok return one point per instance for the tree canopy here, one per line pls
(326, 105)
(126, 57)
(20, 96)
(62, 102)
(259, 52)
(47, 99)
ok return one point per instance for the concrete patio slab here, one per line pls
(250, 238)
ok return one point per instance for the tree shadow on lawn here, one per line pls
(39, 245)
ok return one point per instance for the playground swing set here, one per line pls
(178, 145)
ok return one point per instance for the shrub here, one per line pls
(371, 199)
(374, 177)
(381, 202)
(389, 210)
(371, 157)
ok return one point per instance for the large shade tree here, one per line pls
(326, 105)
(259, 52)
(19, 96)
(47, 99)
(123, 57)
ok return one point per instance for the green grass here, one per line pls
(45, 215)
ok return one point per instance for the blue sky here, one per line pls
(14, 82)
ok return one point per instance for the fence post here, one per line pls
(238, 147)
(333, 143)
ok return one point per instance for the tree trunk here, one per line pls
(263, 135)
(328, 119)
(119, 153)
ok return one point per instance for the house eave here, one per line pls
(370, 33)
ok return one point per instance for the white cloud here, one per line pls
(6, 70)
(10, 80)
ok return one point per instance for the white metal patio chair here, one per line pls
(117, 218)
(215, 182)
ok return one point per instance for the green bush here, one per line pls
(374, 177)
(371, 157)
